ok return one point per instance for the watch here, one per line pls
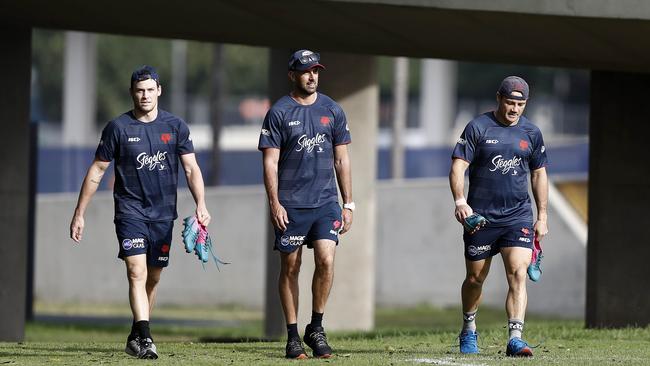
(350, 206)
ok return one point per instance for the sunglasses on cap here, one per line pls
(313, 57)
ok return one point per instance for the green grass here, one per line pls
(401, 337)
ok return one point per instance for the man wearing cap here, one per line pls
(304, 139)
(146, 144)
(500, 148)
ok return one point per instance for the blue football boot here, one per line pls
(517, 347)
(474, 222)
(468, 342)
(190, 233)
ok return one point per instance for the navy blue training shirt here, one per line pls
(306, 136)
(146, 164)
(501, 158)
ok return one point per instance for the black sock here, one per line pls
(292, 331)
(316, 319)
(143, 329)
(134, 331)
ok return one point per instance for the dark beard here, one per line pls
(302, 92)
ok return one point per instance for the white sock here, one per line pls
(469, 321)
(515, 328)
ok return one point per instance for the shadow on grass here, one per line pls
(37, 350)
(227, 339)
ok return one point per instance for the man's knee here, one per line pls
(324, 251)
(136, 273)
(517, 275)
(291, 268)
(153, 279)
(325, 263)
(474, 280)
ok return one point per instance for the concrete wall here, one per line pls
(418, 257)
(91, 272)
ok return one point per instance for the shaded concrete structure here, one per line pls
(619, 194)
(593, 34)
(15, 72)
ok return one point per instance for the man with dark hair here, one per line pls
(304, 139)
(500, 148)
(146, 144)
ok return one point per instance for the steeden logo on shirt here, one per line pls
(506, 166)
(308, 144)
(152, 162)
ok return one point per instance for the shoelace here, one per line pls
(319, 338)
(146, 343)
(467, 336)
(294, 345)
(197, 239)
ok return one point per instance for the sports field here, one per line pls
(414, 336)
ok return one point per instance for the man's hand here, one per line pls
(346, 216)
(76, 227)
(203, 215)
(541, 229)
(474, 223)
(462, 212)
(279, 216)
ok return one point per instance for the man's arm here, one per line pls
(457, 185)
(270, 159)
(344, 178)
(88, 188)
(196, 185)
(539, 182)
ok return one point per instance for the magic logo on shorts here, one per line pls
(476, 250)
(292, 240)
(137, 243)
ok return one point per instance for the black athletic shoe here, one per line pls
(132, 346)
(316, 339)
(147, 349)
(295, 350)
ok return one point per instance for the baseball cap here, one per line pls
(514, 84)
(144, 72)
(302, 60)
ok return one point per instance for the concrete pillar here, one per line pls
(400, 112)
(619, 195)
(274, 323)
(179, 78)
(15, 73)
(437, 100)
(352, 81)
(80, 89)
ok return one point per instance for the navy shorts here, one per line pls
(307, 225)
(139, 237)
(488, 241)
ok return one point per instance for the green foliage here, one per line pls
(117, 57)
(47, 66)
(246, 70)
(386, 69)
